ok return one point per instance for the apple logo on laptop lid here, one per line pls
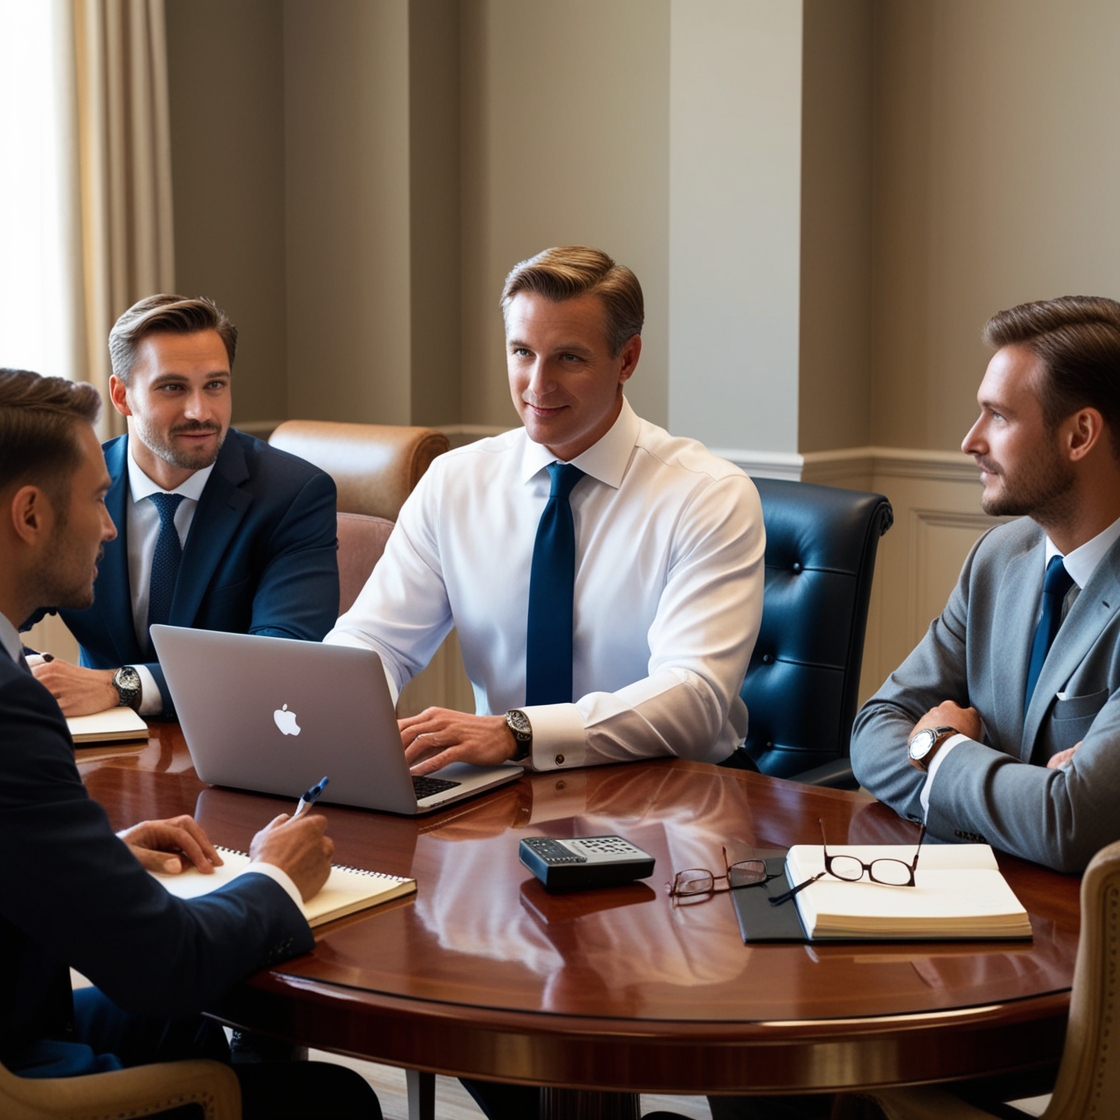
(286, 721)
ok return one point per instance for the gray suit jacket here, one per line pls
(976, 654)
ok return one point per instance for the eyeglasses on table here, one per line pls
(690, 884)
(886, 871)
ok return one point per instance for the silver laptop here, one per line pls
(273, 715)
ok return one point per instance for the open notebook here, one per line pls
(348, 890)
(959, 894)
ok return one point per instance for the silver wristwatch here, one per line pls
(518, 723)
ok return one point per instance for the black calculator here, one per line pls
(584, 861)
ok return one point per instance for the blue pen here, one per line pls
(310, 797)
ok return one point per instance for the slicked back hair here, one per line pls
(166, 314)
(1078, 340)
(568, 271)
(39, 417)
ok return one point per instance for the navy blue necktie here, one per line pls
(165, 560)
(1054, 589)
(548, 648)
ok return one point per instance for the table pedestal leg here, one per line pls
(421, 1094)
(576, 1104)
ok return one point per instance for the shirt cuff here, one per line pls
(935, 762)
(271, 871)
(151, 699)
(559, 737)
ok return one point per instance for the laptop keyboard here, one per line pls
(425, 787)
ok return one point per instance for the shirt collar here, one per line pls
(10, 639)
(605, 460)
(140, 486)
(1082, 561)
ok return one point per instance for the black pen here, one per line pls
(310, 797)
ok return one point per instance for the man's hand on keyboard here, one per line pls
(439, 736)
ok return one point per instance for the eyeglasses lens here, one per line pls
(746, 873)
(695, 881)
(892, 872)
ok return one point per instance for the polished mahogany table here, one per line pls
(484, 974)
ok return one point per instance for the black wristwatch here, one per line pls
(518, 722)
(126, 680)
(926, 743)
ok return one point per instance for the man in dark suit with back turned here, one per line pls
(1002, 725)
(71, 892)
(216, 530)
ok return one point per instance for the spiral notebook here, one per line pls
(348, 890)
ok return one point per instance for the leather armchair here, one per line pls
(802, 684)
(361, 541)
(374, 466)
(123, 1094)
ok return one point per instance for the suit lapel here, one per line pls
(1092, 611)
(113, 600)
(221, 510)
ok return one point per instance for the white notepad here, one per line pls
(348, 890)
(959, 892)
(107, 726)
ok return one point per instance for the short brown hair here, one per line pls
(568, 271)
(1078, 340)
(166, 314)
(38, 421)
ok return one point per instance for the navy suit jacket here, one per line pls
(71, 893)
(260, 558)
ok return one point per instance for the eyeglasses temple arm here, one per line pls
(777, 900)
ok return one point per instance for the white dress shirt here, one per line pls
(142, 528)
(668, 591)
(1080, 565)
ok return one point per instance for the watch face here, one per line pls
(922, 742)
(518, 723)
(127, 677)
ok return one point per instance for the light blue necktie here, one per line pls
(548, 648)
(165, 560)
(1055, 586)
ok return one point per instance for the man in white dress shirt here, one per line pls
(668, 555)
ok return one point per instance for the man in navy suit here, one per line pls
(248, 531)
(71, 892)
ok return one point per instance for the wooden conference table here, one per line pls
(484, 974)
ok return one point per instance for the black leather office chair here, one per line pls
(802, 684)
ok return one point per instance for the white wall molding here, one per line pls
(824, 466)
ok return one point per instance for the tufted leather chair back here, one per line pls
(802, 683)
(374, 466)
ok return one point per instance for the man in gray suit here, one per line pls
(1003, 725)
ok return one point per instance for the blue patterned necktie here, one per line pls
(165, 560)
(1055, 586)
(548, 648)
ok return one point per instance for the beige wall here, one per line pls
(565, 141)
(735, 172)
(997, 155)
(226, 74)
(346, 146)
(834, 367)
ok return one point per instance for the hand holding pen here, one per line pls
(310, 797)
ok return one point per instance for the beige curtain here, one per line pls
(122, 141)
